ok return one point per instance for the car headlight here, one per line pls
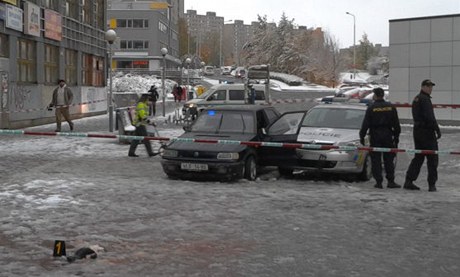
(228, 156)
(170, 153)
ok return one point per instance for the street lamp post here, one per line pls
(187, 62)
(354, 44)
(110, 37)
(164, 52)
(202, 68)
(220, 44)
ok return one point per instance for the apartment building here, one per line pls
(143, 28)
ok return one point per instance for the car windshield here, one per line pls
(334, 118)
(212, 121)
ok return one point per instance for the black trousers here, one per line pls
(424, 139)
(140, 131)
(388, 161)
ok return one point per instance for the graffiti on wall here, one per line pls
(19, 95)
(4, 90)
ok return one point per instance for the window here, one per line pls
(51, 64)
(71, 9)
(218, 95)
(100, 8)
(136, 44)
(162, 27)
(86, 70)
(86, 12)
(93, 71)
(236, 95)
(71, 67)
(27, 56)
(132, 23)
(4, 48)
(52, 4)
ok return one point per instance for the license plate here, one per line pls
(194, 167)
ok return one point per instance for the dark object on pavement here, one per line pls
(82, 253)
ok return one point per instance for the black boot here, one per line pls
(378, 185)
(432, 188)
(393, 185)
(410, 186)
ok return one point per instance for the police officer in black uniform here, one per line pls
(426, 135)
(382, 121)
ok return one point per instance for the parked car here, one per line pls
(325, 124)
(239, 72)
(181, 159)
(226, 70)
(223, 94)
(346, 94)
(208, 70)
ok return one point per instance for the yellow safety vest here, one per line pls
(142, 111)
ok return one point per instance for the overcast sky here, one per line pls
(372, 16)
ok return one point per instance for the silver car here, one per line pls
(328, 125)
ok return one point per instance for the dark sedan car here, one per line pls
(222, 161)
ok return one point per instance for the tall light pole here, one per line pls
(220, 44)
(354, 44)
(164, 52)
(110, 37)
(187, 62)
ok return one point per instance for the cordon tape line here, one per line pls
(438, 106)
(41, 109)
(247, 143)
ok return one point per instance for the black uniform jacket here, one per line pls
(382, 121)
(425, 125)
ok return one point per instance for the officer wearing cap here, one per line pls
(426, 134)
(382, 121)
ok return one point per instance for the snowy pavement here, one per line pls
(87, 191)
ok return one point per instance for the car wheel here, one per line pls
(366, 173)
(286, 172)
(250, 168)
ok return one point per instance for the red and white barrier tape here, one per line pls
(247, 143)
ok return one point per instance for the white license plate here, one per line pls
(194, 167)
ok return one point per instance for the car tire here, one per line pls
(250, 168)
(286, 172)
(366, 173)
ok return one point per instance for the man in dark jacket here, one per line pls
(426, 135)
(382, 121)
(61, 101)
(153, 98)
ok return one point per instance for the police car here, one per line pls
(325, 124)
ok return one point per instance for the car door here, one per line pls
(284, 130)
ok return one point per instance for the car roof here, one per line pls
(341, 105)
(235, 86)
(245, 107)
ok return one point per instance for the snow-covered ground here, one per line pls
(87, 191)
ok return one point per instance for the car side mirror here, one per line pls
(187, 128)
(210, 98)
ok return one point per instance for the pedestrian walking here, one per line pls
(141, 121)
(382, 121)
(153, 98)
(426, 134)
(61, 101)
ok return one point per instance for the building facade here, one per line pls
(426, 48)
(143, 28)
(42, 42)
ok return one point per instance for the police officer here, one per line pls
(382, 121)
(426, 134)
(141, 121)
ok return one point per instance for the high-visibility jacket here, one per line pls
(142, 112)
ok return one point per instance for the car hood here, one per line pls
(201, 146)
(328, 136)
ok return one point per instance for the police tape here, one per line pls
(438, 106)
(46, 108)
(235, 142)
